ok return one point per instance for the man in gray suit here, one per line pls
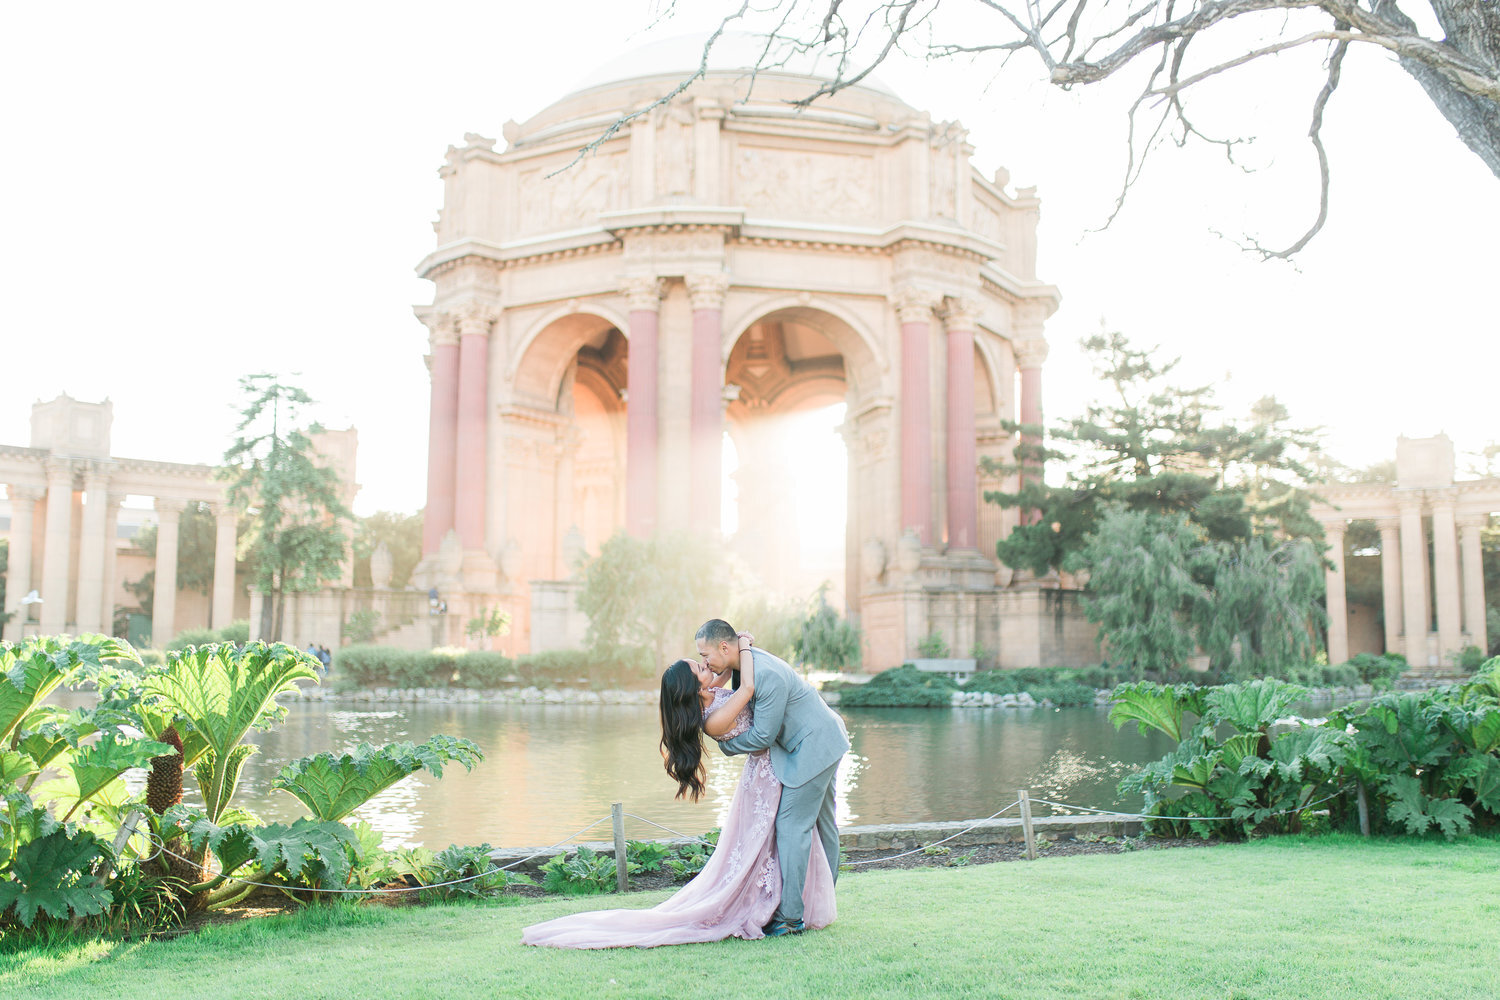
(806, 738)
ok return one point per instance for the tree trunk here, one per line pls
(280, 613)
(267, 615)
(1472, 28)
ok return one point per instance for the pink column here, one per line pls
(963, 448)
(707, 402)
(473, 383)
(915, 309)
(442, 436)
(1029, 357)
(644, 295)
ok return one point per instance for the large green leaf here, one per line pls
(222, 690)
(14, 766)
(1155, 706)
(334, 786)
(1238, 747)
(1419, 812)
(1255, 705)
(32, 669)
(1404, 731)
(1480, 774)
(51, 875)
(307, 849)
(218, 777)
(1302, 753)
(1198, 772)
(1476, 728)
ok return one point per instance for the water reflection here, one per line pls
(552, 769)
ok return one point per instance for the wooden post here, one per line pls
(1026, 830)
(1364, 809)
(622, 866)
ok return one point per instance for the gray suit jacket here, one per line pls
(804, 735)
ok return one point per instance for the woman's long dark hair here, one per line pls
(682, 729)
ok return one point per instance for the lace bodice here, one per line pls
(741, 721)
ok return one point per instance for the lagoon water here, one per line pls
(550, 770)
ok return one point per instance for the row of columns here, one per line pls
(96, 577)
(916, 309)
(458, 428)
(705, 405)
(1455, 582)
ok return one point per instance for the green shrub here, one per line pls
(1064, 694)
(933, 646)
(237, 632)
(192, 637)
(482, 670)
(903, 687)
(584, 874)
(648, 855)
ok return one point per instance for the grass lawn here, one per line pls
(1332, 917)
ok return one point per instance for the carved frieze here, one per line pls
(790, 184)
(574, 196)
(674, 149)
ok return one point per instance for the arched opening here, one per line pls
(787, 484)
(564, 443)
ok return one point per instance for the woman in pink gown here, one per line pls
(737, 891)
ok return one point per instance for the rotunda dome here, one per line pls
(680, 55)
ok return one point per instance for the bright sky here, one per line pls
(191, 192)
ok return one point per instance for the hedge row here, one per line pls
(386, 666)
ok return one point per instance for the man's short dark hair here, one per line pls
(715, 631)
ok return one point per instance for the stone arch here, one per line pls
(788, 357)
(545, 351)
(865, 360)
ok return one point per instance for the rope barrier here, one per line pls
(893, 857)
(668, 829)
(1175, 819)
(161, 845)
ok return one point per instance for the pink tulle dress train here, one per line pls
(733, 896)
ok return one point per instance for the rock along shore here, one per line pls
(585, 696)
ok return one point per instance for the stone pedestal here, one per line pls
(556, 622)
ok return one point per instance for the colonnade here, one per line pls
(1433, 603)
(79, 505)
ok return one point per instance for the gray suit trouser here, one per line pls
(804, 809)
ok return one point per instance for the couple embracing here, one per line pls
(774, 869)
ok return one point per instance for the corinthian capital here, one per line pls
(643, 293)
(914, 304)
(960, 314)
(27, 493)
(475, 318)
(707, 291)
(1030, 353)
(442, 329)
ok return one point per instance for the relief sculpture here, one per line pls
(810, 186)
(573, 197)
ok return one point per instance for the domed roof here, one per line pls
(679, 56)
